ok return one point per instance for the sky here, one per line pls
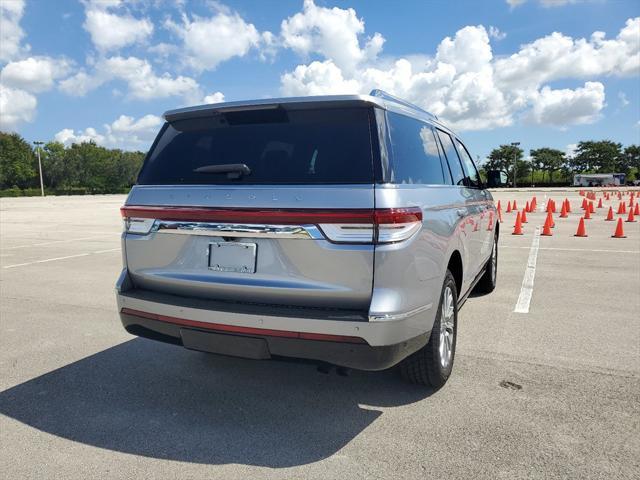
(541, 72)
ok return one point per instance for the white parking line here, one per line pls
(526, 291)
(61, 258)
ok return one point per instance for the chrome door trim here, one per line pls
(211, 229)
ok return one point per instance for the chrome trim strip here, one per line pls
(236, 230)
(389, 317)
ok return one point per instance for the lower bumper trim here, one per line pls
(264, 345)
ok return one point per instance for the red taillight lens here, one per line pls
(388, 225)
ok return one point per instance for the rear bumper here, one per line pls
(353, 355)
(341, 338)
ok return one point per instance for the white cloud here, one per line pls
(69, 136)
(11, 34)
(216, 97)
(143, 83)
(468, 51)
(515, 3)
(206, 42)
(331, 32)
(34, 74)
(318, 78)
(565, 106)
(470, 89)
(125, 132)
(558, 56)
(16, 107)
(496, 33)
(110, 31)
(138, 74)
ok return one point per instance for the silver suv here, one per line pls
(343, 229)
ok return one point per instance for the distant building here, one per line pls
(598, 179)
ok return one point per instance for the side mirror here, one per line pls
(497, 179)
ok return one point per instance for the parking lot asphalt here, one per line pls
(551, 393)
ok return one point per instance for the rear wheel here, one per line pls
(432, 364)
(487, 283)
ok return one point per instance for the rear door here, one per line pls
(271, 205)
(483, 201)
(469, 208)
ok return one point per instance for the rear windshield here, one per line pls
(328, 146)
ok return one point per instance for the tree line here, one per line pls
(77, 169)
(90, 168)
(549, 165)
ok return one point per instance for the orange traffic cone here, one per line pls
(527, 207)
(587, 214)
(631, 201)
(631, 217)
(534, 203)
(584, 203)
(508, 206)
(514, 206)
(582, 232)
(619, 233)
(566, 200)
(636, 211)
(621, 208)
(552, 224)
(546, 229)
(609, 215)
(591, 209)
(523, 217)
(600, 203)
(517, 227)
(563, 212)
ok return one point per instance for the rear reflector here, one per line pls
(386, 225)
(218, 327)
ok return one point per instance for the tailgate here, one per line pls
(253, 243)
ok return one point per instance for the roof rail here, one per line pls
(387, 96)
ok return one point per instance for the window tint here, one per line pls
(415, 153)
(472, 176)
(328, 146)
(452, 158)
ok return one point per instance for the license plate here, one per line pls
(232, 257)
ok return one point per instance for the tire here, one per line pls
(487, 283)
(432, 364)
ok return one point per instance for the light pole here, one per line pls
(515, 156)
(37, 144)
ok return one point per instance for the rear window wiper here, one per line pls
(233, 170)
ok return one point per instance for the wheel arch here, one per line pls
(454, 265)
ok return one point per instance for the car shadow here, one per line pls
(156, 400)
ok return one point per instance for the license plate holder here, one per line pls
(235, 257)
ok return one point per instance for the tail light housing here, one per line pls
(354, 226)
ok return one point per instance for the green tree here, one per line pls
(602, 156)
(548, 159)
(17, 162)
(631, 161)
(54, 168)
(502, 159)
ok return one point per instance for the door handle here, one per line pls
(461, 212)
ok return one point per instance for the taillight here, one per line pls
(387, 225)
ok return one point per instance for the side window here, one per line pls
(452, 158)
(473, 178)
(415, 152)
